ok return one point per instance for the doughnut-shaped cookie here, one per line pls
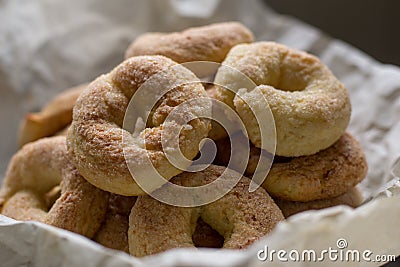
(327, 174)
(207, 43)
(53, 118)
(37, 168)
(352, 198)
(113, 232)
(311, 108)
(240, 217)
(97, 141)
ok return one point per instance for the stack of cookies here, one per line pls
(317, 164)
(106, 178)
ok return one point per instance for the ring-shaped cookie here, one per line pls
(329, 173)
(311, 107)
(36, 169)
(241, 217)
(351, 198)
(113, 232)
(53, 118)
(100, 147)
(207, 43)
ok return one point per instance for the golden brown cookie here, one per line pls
(239, 216)
(53, 118)
(101, 148)
(113, 232)
(37, 168)
(352, 198)
(311, 108)
(327, 174)
(207, 43)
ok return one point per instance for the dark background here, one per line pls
(373, 26)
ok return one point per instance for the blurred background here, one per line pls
(370, 25)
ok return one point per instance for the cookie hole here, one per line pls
(207, 85)
(51, 196)
(149, 122)
(327, 174)
(280, 159)
(293, 75)
(205, 236)
(163, 106)
(291, 82)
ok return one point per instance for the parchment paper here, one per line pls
(49, 45)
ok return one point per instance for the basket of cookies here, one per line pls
(210, 146)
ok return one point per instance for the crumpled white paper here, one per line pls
(49, 45)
